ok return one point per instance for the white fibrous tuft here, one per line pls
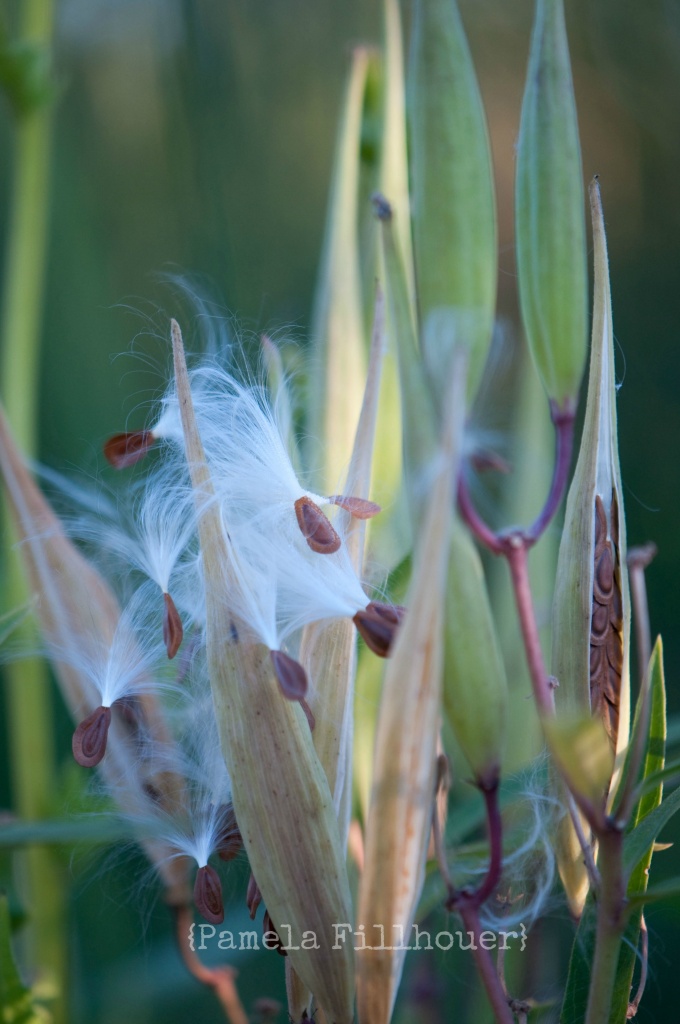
(529, 866)
(129, 664)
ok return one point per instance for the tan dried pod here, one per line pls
(402, 795)
(78, 611)
(281, 797)
(591, 613)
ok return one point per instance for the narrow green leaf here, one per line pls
(649, 820)
(669, 889)
(644, 835)
(652, 768)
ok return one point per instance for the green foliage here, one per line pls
(16, 1000)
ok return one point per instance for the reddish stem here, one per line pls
(485, 966)
(497, 543)
(563, 422)
(495, 827)
(516, 553)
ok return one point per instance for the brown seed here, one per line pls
(89, 739)
(599, 623)
(316, 528)
(392, 613)
(290, 674)
(208, 895)
(172, 626)
(253, 896)
(606, 628)
(603, 582)
(360, 508)
(376, 631)
(123, 450)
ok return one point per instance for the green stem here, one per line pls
(611, 922)
(28, 690)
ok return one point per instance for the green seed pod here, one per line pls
(591, 614)
(454, 213)
(549, 210)
(337, 328)
(475, 686)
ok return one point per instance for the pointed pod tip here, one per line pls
(89, 739)
(173, 631)
(315, 527)
(290, 674)
(208, 895)
(125, 449)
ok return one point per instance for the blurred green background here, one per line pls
(196, 138)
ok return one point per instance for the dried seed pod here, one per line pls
(591, 617)
(360, 508)
(123, 450)
(89, 739)
(316, 528)
(287, 819)
(400, 815)
(173, 632)
(291, 676)
(208, 895)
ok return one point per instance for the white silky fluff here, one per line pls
(280, 584)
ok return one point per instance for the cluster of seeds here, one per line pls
(290, 567)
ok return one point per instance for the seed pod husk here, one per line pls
(402, 797)
(78, 611)
(591, 649)
(281, 797)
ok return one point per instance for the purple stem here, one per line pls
(485, 966)
(563, 421)
(517, 556)
(495, 827)
(498, 544)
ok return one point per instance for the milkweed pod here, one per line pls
(402, 797)
(549, 213)
(475, 686)
(284, 811)
(79, 615)
(591, 613)
(337, 328)
(454, 211)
